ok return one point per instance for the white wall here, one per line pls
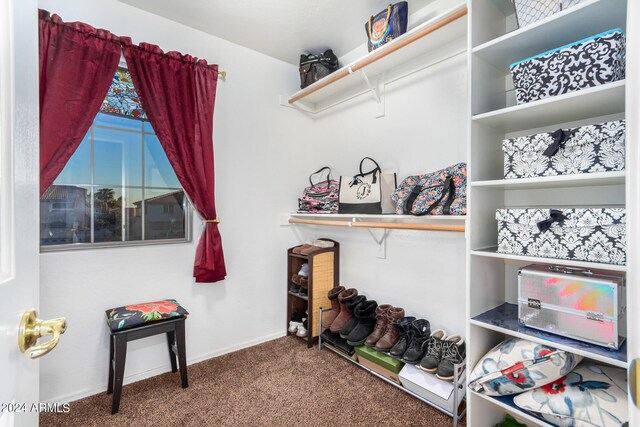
(254, 138)
(264, 153)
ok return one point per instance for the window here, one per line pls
(118, 188)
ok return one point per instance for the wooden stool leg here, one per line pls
(120, 358)
(182, 353)
(110, 384)
(171, 340)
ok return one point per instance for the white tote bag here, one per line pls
(368, 192)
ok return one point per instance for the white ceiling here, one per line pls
(282, 29)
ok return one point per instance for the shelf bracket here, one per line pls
(377, 90)
(380, 241)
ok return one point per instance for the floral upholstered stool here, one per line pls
(132, 322)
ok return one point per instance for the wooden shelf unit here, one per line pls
(324, 274)
(494, 43)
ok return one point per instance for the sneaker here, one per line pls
(302, 329)
(293, 327)
(304, 270)
(431, 360)
(453, 352)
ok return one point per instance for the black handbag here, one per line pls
(314, 67)
(387, 25)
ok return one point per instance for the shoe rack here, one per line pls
(324, 274)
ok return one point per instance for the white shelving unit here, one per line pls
(494, 43)
(433, 41)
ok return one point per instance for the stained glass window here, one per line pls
(122, 98)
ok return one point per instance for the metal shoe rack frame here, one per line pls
(458, 385)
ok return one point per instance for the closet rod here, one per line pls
(387, 225)
(379, 54)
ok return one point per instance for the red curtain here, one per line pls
(77, 64)
(178, 94)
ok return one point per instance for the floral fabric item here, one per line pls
(588, 149)
(587, 234)
(131, 316)
(592, 395)
(518, 365)
(431, 187)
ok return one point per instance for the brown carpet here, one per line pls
(278, 383)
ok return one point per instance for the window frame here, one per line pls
(92, 186)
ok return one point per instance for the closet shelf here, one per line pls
(454, 223)
(596, 101)
(506, 403)
(504, 319)
(493, 253)
(578, 22)
(360, 76)
(561, 181)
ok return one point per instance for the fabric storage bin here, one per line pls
(581, 234)
(530, 11)
(380, 359)
(586, 305)
(586, 149)
(586, 63)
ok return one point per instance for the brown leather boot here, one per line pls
(382, 315)
(391, 337)
(344, 316)
(328, 319)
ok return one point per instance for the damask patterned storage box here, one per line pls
(586, 63)
(581, 234)
(593, 148)
(586, 305)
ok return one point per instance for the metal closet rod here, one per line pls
(377, 55)
(387, 225)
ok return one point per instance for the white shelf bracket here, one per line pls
(377, 90)
(380, 241)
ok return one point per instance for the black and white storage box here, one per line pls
(530, 11)
(586, 305)
(586, 149)
(586, 63)
(427, 386)
(581, 234)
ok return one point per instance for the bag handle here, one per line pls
(317, 172)
(373, 171)
(386, 23)
(449, 189)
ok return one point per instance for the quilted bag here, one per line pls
(387, 25)
(315, 67)
(587, 149)
(320, 197)
(586, 63)
(581, 234)
(518, 365)
(590, 396)
(443, 192)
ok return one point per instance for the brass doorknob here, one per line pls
(32, 328)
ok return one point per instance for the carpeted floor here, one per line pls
(278, 383)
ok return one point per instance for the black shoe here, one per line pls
(303, 291)
(353, 321)
(433, 355)
(419, 333)
(293, 288)
(401, 346)
(453, 352)
(365, 312)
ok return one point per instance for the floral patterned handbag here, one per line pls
(443, 192)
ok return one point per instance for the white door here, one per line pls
(19, 236)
